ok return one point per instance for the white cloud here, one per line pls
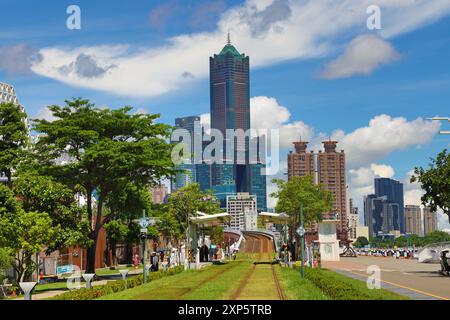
(361, 181)
(384, 135)
(267, 113)
(269, 31)
(45, 114)
(363, 55)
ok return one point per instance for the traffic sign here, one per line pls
(301, 231)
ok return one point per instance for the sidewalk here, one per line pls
(54, 293)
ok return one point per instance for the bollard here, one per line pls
(88, 278)
(124, 274)
(27, 287)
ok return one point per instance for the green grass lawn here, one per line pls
(206, 283)
(221, 282)
(107, 271)
(297, 288)
(62, 285)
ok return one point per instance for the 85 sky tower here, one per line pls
(230, 109)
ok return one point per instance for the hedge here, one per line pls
(114, 286)
(339, 287)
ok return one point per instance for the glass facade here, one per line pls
(187, 172)
(230, 109)
(393, 191)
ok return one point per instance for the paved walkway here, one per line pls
(54, 293)
(420, 281)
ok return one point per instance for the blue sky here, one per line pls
(300, 62)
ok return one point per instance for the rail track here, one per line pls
(262, 246)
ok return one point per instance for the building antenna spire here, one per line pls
(228, 38)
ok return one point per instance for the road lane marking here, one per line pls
(405, 287)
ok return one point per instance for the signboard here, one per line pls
(64, 269)
(145, 222)
(301, 231)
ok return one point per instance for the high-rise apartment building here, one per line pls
(159, 194)
(393, 190)
(353, 221)
(413, 220)
(327, 168)
(240, 205)
(429, 221)
(8, 94)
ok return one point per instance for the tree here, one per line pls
(105, 148)
(185, 202)
(6, 261)
(361, 242)
(23, 234)
(13, 138)
(116, 232)
(44, 194)
(217, 236)
(435, 237)
(435, 182)
(126, 204)
(301, 193)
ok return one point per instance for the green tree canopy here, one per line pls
(105, 149)
(301, 192)
(361, 242)
(435, 182)
(23, 234)
(44, 194)
(13, 138)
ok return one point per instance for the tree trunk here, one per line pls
(91, 253)
(9, 177)
(114, 254)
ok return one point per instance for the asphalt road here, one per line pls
(416, 280)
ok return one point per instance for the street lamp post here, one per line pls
(144, 223)
(301, 232)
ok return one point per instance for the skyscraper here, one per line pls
(187, 170)
(379, 214)
(413, 220)
(393, 190)
(328, 169)
(230, 109)
(429, 221)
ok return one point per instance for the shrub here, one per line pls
(114, 286)
(339, 287)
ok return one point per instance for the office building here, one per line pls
(393, 190)
(429, 221)
(328, 169)
(238, 207)
(230, 109)
(187, 172)
(380, 215)
(413, 220)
